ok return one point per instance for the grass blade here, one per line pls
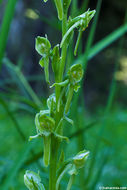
(17, 165)
(23, 80)
(10, 114)
(8, 16)
(102, 44)
(107, 41)
(110, 99)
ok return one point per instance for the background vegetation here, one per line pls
(99, 109)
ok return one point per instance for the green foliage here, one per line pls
(104, 137)
(50, 126)
(9, 13)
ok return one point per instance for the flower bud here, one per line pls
(80, 159)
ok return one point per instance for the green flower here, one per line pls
(81, 22)
(75, 74)
(42, 46)
(78, 162)
(44, 124)
(80, 159)
(32, 181)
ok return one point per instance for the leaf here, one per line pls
(61, 159)
(64, 83)
(55, 59)
(60, 137)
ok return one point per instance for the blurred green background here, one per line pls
(99, 110)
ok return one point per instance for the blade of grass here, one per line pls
(104, 160)
(16, 125)
(102, 44)
(17, 165)
(23, 80)
(31, 107)
(74, 8)
(10, 114)
(82, 130)
(53, 22)
(107, 41)
(8, 16)
(31, 78)
(80, 138)
(110, 99)
(84, 6)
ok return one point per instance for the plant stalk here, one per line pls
(53, 163)
(54, 143)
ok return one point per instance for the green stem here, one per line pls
(71, 180)
(53, 163)
(59, 114)
(77, 43)
(64, 48)
(63, 57)
(62, 65)
(47, 142)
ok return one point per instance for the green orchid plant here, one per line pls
(49, 123)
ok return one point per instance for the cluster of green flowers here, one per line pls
(49, 123)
